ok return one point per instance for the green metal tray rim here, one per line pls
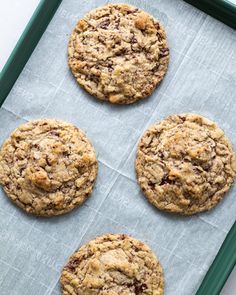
(225, 259)
(26, 45)
(223, 10)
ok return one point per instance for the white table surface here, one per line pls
(14, 15)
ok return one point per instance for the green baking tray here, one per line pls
(221, 9)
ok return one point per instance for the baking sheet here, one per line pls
(201, 79)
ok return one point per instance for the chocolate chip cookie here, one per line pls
(185, 164)
(113, 264)
(118, 53)
(47, 167)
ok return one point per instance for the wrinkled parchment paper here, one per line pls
(201, 79)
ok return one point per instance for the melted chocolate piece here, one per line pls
(166, 180)
(133, 40)
(53, 132)
(74, 263)
(164, 51)
(183, 118)
(117, 26)
(139, 288)
(152, 185)
(104, 24)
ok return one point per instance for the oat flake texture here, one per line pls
(185, 164)
(47, 167)
(118, 53)
(113, 265)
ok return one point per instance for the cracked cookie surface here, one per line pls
(113, 265)
(118, 53)
(47, 167)
(185, 164)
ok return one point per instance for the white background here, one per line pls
(14, 15)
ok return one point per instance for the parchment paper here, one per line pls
(201, 78)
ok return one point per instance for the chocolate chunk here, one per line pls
(94, 78)
(166, 180)
(122, 51)
(74, 263)
(104, 24)
(132, 11)
(47, 161)
(151, 185)
(117, 24)
(54, 133)
(164, 51)
(133, 39)
(123, 236)
(156, 67)
(7, 185)
(139, 288)
(21, 170)
(183, 118)
(161, 155)
(110, 68)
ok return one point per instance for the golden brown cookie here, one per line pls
(185, 164)
(113, 265)
(118, 53)
(47, 167)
